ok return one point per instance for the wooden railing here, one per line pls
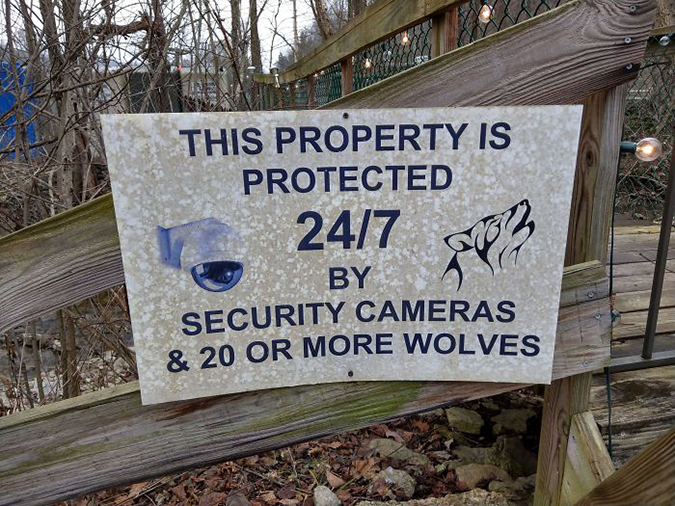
(377, 22)
(107, 438)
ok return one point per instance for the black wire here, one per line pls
(608, 382)
(608, 386)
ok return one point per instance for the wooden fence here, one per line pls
(577, 53)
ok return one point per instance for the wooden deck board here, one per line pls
(643, 401)
(643, 408)
(633, 273)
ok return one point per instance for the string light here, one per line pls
(648, 149)
(485, 14)
(405, 40)
(367, 64)
(664, 41)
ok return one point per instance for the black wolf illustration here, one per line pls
(495, 239)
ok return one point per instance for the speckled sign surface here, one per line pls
(273, 249)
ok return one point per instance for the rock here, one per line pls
(511, 421)
(510, 454)
(448, 464)
(398, 479)
(464, 420)
(452, 437)
(434, 413)
(476, 497)
(323, 496)
(469, 454)
(120, 366)
(389, 448)
(490, 404)
(472, 475)
(519, 491)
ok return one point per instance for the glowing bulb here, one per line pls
(367, 64)
(405, 40)
(648, 149)
(485, 14)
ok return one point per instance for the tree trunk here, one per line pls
(355, 7)
(321, 18)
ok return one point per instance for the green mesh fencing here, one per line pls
(478, 19)
(650, 112)
(328, 85)
(411, 47)
(398, 53)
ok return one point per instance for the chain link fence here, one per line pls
(405, 50)
(478, 19)
(650, 108)
(650, 112)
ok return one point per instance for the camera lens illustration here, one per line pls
(208, 249)
(217, 276)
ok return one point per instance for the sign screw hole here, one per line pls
(350, 373)
(345, 115)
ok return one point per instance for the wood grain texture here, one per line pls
(37, 280)
(647, 478)
(564, 55)
(633, 325)
(597, 162)
(588, 462)
(639, 242)
(378, 21)
(587, 238)
(107, 438)
(643, 405)
(633, 347)
(563, 399)
(639, 301)
(444, 26)
(58, 262)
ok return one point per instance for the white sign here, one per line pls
(264, 250)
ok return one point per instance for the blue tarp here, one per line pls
(7, 101)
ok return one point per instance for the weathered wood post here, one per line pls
(588, 238)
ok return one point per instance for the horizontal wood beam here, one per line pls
(559, 57)
(378, 21)
(107, 438)
(564, 56)
(59, 261)
(647, 478)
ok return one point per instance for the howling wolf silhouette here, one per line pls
(495, 238)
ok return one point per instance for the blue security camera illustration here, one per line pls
(208, 249)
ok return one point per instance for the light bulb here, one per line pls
(664, 41)
(485, 14)
(367, 64)
(648, 149)
(405, 40)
